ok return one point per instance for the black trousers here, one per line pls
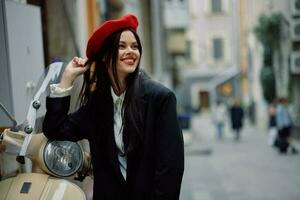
(282, 142)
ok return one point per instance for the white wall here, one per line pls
(81, 26)
(204, 26)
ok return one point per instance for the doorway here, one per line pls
(204, 99)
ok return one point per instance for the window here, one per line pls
(218, 49)
(216, 6)
(189, 50)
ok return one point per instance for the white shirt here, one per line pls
(219, 113)
(118, 129)
(56, 91)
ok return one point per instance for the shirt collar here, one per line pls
(115, 97)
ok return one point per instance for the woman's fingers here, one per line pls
(75, 61)
(78, 62)
(79, 65)
(74, 69)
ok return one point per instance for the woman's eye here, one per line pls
(135, 47)
(121, 46)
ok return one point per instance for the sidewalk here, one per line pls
(245, 170)
(203, 129)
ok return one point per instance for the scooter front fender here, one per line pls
(34, 186)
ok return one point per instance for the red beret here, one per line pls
(107, 28)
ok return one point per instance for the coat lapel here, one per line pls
(112, 150)
(133, 158)
(106, 127)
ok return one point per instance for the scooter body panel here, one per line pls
(34, 186)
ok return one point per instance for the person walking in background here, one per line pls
(236, 116)
(284, 125)
(272, 123)
(129, 120)
(219, 118)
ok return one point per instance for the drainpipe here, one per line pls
(156, 34)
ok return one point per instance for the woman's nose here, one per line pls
(129, 50)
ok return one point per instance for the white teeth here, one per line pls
(128, 60)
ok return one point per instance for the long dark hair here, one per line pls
(97, 81)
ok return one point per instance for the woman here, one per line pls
(129, 120)
(219, 119)
(284, 124)
(237, 116)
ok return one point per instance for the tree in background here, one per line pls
(267, 77)
(267, 31)
(271, 31)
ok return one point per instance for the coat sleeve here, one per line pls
(59, 125)
(169, 163)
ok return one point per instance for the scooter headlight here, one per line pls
(63, 158)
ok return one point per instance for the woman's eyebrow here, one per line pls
(123, 42)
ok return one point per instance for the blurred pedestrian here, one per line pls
(272, 134)
(284, 125)
(236, 116)
(219, 118)
(129, 120)
(252, 112)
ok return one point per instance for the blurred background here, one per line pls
(245, 51)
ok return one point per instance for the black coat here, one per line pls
(154, 171)
(236, 115)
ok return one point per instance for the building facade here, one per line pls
(212, 69)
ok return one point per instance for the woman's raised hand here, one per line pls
(74, 69)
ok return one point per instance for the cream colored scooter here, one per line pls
(32, 167)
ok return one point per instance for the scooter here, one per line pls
(31, 166)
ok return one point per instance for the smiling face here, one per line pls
(128, 54)
(121, 54)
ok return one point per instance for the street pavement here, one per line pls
(248, 169)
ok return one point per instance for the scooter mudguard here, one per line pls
(34, 186)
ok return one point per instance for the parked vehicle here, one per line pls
(32, 167)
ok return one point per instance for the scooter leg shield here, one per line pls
(33, 186)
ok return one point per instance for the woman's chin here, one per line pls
(129, 69)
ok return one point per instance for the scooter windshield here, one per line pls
(51, 75)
